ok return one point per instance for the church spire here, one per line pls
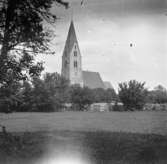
(71, 38)
(71, 59)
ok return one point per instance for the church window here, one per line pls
(75, 64)
(75, 53)
(66, 63)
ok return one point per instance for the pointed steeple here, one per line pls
(71, 59)
(71, 38)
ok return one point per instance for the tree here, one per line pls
(110, 96)
(41, 94)
(49, 93)
(41, 101)
(22, 36)
(99, 94)
(58, 88)
(26, 92)
(132, 94)
(158, 95)
(81, 98)
(102, 95)
(10, 97)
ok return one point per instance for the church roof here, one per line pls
(71, 38)
(92, 80)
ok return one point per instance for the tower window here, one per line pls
(75, 64)
(75, 53)
(66, 63)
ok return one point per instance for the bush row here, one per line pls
(52, 92)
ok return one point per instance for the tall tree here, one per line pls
(49, 93)
(81, 98)
(110, 95)
(132, 94)
(22, 36)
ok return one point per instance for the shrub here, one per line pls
(157, 95)
(4, 106)
(155, 107)
(133, 95)
(48, 94)
(81, 98)
(117, 107)
(102, 95)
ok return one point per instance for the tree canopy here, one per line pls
(22, 36)
(132, 94)
(81, 98)
(158, 95)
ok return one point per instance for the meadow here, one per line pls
(84, 138)
(148, 122)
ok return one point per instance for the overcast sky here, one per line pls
(106, 28)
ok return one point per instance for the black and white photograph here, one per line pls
(83, 81)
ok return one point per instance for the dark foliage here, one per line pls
(133, 95)
(48, 94)
(26, 92)
(117, 107)
(22, 36)
(102, 95)
(40, 95)
(10, 97)
(158, 95)
(81, 98)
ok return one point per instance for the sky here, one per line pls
(105, 29)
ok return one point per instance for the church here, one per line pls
(72, 65)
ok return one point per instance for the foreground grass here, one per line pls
(99, 147)
(135, 122)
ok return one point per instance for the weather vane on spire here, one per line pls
(82, 2)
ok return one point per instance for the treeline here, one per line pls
(134, 95)
(50, 93)
(53, 93)
(158, 95)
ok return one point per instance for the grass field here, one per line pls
(136, 122)
(84, 138)
(66, 147)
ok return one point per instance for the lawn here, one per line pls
(135, 122)
(84, 138)
(66, 147)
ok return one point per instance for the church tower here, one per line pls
(71, 59)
